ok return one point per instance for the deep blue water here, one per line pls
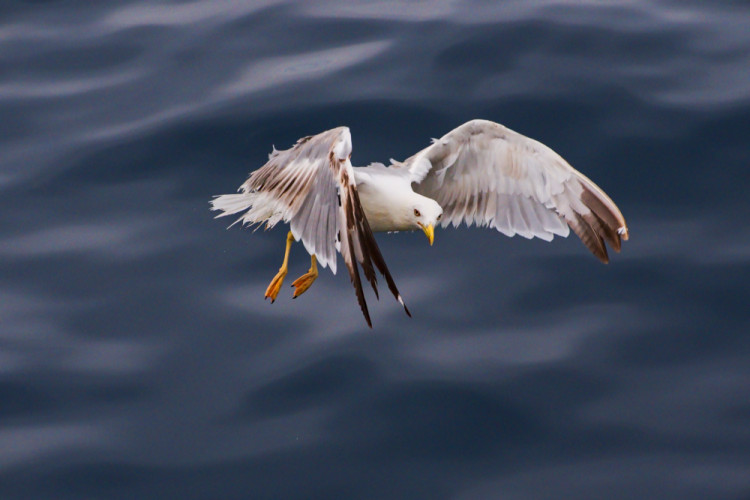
(138, 358)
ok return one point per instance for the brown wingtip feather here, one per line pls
(357, 282)
(377, 258)
(366, 254)
(405, 308)
(603, 223)
(589, 236)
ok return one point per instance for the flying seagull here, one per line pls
(480, 173)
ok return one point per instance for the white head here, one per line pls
(425, 214)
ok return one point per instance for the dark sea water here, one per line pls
(138, 359)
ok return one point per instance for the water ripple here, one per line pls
(274, 72)
(138, 358)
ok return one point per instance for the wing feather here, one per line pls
(485, 174)
(311, 186)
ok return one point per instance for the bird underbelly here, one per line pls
(381, 220)
(382, 211)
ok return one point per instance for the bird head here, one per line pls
(426, 215)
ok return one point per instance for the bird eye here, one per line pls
(440, 216)
(416, 213)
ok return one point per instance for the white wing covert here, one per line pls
(486, 174)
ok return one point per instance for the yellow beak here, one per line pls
(430, 232)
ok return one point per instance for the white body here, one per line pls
(389, 201)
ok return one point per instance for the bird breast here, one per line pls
(387, 203)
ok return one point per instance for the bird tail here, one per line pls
(230, 204)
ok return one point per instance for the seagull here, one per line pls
(480, 173)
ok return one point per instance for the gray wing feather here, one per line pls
(486, 174)
(297, 186)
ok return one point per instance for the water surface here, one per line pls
(139, 360)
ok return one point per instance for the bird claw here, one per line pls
(304, 282)
(273, 289)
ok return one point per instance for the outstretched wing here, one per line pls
(311, 186)
(486, 174)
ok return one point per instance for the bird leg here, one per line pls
(302, 283)
(273, 289)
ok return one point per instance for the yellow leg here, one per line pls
(302, 283)
(273, 289)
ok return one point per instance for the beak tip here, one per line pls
(429, 231)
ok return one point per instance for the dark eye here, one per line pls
(416, 213)
(440, 216)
